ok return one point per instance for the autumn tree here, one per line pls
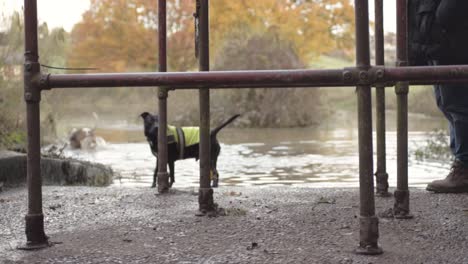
(263, 107)
(112, 38)
(274, 34)
(312, 27)
(119, 35)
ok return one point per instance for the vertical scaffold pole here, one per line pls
(369, 229)
(205, 196)
(35, 234)
(401, 206)
(381, 171)
(163, 177)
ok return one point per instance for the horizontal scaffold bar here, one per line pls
(256, 79)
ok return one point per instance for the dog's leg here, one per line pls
(155, 176)
(171, 171)
(214, 174)
(213, 164)
(215, 177)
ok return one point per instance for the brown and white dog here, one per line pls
(84, 138)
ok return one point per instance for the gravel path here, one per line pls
(263, 225)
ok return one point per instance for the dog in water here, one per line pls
(182, 143)
(84, 138)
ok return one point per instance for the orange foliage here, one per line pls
(312, 27)
(121, 35)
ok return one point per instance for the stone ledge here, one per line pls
(54, 171)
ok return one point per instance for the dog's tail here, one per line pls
(227, 122)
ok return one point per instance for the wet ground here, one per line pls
(269, 224)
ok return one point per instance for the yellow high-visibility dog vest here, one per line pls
(191, 135)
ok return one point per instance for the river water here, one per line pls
(326, 156)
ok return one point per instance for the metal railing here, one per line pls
(363, 76)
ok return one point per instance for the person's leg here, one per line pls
(460, 131)
(453, 102)
(452, 136)
(442, 108)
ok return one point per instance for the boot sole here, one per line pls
(448, 190)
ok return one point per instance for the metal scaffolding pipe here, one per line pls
(426, 74)
(191, 80)
(369, 230)
(259, 79)
(205, 194)
(401, 205)
(35, 234)
(162, 175)
(381, 171)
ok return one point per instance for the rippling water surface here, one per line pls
(317, 157)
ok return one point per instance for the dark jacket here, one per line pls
(452, 16)
(451, 11)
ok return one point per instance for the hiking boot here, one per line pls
(455, 182)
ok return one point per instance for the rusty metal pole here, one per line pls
(205, 195)
(349, 76)
(401, 207)
(35, 234)
(381, 174)
(163, 176)
(369, 230)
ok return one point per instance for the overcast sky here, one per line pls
(65, 13)
(57, 13)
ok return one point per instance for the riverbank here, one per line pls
(263, 225)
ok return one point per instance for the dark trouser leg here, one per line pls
(438, 96)
(452, 100)
(460, 135)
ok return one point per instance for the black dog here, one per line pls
(177, 146)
